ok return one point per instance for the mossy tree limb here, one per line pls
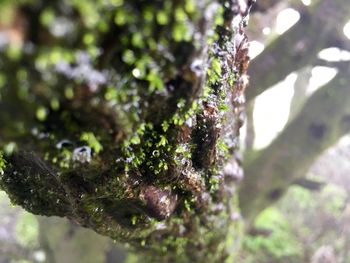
(123, 120)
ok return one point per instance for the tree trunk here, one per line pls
(121, 115)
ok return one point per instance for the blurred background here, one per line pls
(297, 48)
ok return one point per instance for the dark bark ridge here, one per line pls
(123, 123)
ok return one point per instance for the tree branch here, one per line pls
(340, 65)
(132, 116)
(322, 121)
(304, 40)
(309, 184)
(300, 87)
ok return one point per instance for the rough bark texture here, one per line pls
(123, 119)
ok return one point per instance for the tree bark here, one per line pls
(124, 119)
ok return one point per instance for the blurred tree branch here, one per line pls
(340, 65)
(250, 136)
(309, 184)
(300, 88)
(299, 46)
(322, 121)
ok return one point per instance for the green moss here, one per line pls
(155, 81)
(223, 148)
(69, 93)
(3, 79)
(2, 163)
(183, 113)
(92, 141)
(184, 150)
(10, 148)
(162, 17)
(47, 17)
(41, 113)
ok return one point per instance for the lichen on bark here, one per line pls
(123, 119)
